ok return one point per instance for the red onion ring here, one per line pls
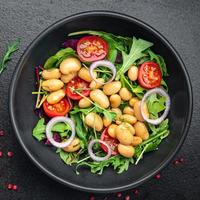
(97, 158)
(49, 134)
(161, 92)
(104, 63)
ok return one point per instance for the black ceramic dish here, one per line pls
(22, 102)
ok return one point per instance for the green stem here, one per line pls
(140, 156)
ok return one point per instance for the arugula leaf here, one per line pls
(7, 56)
(67, 157)
(80, 130)
(158, 59)
(136, 52)
(159, 132)
(39, 130)
(61, 127)
(133, 87)
(119, 163)
(112, 54)
(56, 59)
(155, 104)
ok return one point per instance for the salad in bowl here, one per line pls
(102, 101)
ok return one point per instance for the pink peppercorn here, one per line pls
(119, 194)
(157, 176)
(2, 132)
(136, 191)
(10, 186)
(14, 187)
(127, 197)
(1, 153)
(92, 198)
(10, 154)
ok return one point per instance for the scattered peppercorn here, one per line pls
(1, 153)
(10, 186)
(14, 187)
(10, 154)
(127, 197)
(157, 176)
(136, 191)
(92, 198)
(119, 194)
(2, 132)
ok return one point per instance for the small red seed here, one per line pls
(1, 153)
(136, 191)
(10, 154)
(14, 187)
(119, 194)
(10, 186)
(158, 176)
(92, 198)
(127, 197)
(2, 132)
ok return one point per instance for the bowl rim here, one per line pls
(18, 70)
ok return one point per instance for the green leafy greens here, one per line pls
(39, 130)
(56, 59)
(7, 56)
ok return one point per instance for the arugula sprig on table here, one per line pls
(7, 56)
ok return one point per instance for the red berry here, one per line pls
(136, 191)
(10, 154)
(92, 198)
(14, 187)
(119, 194)
(157, 176)
(1, 153)
(9, 186)
(127, 197)
(2, 132)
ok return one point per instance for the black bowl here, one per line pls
(22, 102)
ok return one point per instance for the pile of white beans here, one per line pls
(128, 128)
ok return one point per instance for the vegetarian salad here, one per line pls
(102, 101)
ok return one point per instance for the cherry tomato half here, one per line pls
(59, 109)
(92, 48)
(110, 141)
(149, 75)
(80, 85)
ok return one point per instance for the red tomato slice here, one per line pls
(149, 75)
(92, 48)
(77, 83)
(110, 141)
(59, 109)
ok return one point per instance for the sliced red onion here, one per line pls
(97, 158)
(102, 63)
(161, 92)
(49, 134)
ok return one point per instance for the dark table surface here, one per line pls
(177, 20)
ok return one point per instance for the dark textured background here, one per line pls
(177, 20)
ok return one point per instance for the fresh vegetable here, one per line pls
(50, 125)
(112, 142)
(55, 60)
(7, 56)
(107, 85)
(77, 84)
(59, 109)
(103, 63)
(157, 108)
(92, 48)
(149, 75)
(97, 158)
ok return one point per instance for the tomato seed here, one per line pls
(119, 194)
(10, 154)
(127, 197)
